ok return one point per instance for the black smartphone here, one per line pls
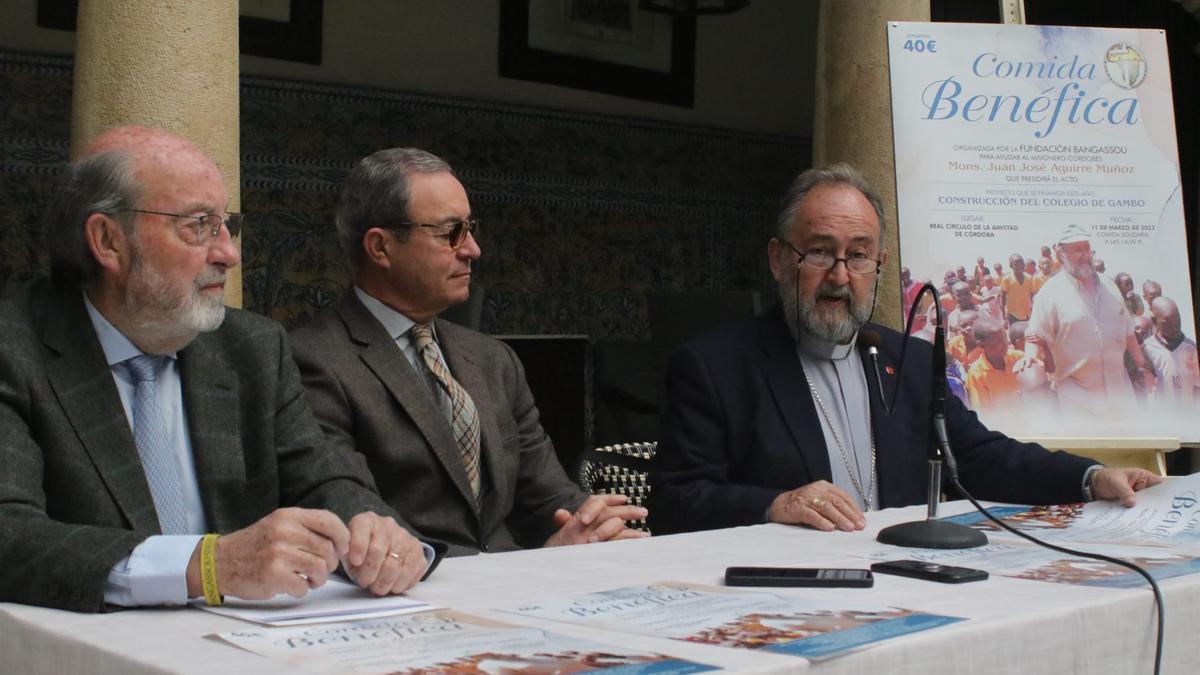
(798, 576)
(946, 574)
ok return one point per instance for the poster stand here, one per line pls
(1143, 453)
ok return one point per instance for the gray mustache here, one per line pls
(210, 276)
(839, 292)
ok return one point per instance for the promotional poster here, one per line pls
(818, 627)
(1166, 515)
(447, 642)
(1038, 188)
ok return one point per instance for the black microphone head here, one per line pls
(870, 339)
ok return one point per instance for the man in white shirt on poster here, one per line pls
(1080, 330)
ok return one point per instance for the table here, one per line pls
(1016, 626)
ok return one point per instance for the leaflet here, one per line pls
(813, 628)
(446, 641)
(1027, 561)
(1167, 514)
(337, 600)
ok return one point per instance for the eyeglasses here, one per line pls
(819, 260)
(455, 233)
(200, 229)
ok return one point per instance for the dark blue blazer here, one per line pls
(740, 427)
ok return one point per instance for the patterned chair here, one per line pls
(619, 469)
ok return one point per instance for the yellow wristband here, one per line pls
(208, 569)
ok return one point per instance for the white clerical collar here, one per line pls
(823, 349)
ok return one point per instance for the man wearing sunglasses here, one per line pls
(155, 446)
(778, 419)
(442, 413)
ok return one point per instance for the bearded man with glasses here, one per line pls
(157, 447)
(778, 420)
(442, 413)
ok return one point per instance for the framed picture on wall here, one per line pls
(609, 46)
(279, 29)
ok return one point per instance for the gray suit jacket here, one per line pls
(367, 397)
(73, 496)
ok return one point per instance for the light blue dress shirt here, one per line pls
(155, 572)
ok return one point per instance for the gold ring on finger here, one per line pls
(393, 555)
(816, 503)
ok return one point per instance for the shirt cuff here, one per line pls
(430, 557)
(1088, 476)
(154, 573)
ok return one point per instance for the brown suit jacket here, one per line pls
(74, 499)
(368, 397)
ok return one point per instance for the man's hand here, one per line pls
(382, 556)
(1120, 484)
(599, 518)
(289, 551)
(1034, 353)
(821, 505)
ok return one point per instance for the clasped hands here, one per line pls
(293, 550)
(599, 518)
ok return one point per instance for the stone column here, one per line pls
(853, 116)
(171, 64)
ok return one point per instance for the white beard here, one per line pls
(160, 315)
(836, 325)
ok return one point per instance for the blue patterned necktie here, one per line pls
(151, 433)
(464, 417)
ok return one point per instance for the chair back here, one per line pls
(620, 469)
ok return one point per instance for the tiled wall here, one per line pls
(584, 214)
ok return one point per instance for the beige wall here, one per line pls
(754, 69)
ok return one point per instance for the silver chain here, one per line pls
(865, 494)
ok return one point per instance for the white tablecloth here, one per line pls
(1015, 626)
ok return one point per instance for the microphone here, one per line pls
(933, 533)
(871, 341)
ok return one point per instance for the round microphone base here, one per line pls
(931, 534)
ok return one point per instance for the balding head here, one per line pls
(1166, 319)
(140, 140)
(120, 170)
(962, 294)
(990, 335)
(1016, 334)
(141, 225)
(155, 152)
(1124, 283)
(1151, 290)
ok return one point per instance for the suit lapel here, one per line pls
(210, 397)
(82, 381)
(785, 377)
(381, 355)
(469, 373)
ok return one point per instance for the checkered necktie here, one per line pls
(151, 433)
(464, 417)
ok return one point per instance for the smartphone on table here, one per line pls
(946, 574)
(799, 576)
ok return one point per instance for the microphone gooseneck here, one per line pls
(933, 533)
(871, 341)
